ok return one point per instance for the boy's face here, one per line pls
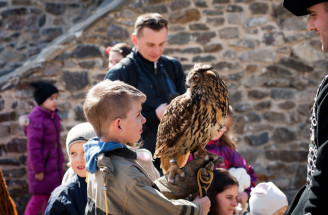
(76, 158)
(132, 125)
(51, 102)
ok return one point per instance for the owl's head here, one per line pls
(202, 76)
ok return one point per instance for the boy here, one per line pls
(117, 184)
(71, 196)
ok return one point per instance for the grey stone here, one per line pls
(217, 21)
(87, 64)
(85, 51)
(273, 116)
(194, 50)
(220, 1)
(229, 54)
(16, 173)
(259, 8)
(14, 12)
(261, 55)
(117, 32)
(273, 38)
(224, 65)
(160, 8)
(180, 38)
(283, 135)
(52, 70)
(79, 114)
(286, 156)
(55, 8)
(304, 109)
(300, 84)
(276, 71)
(277, 82)
(235, 96)
(253, 81)
(235, 18)
(203, 38)
(263, 105)
(3, 4)
(293, 24)
(201, 3)
(282, 93)
(236, 76)
(2, 103)
(212, 12)
(287, 105)
(257, 94)
(51, 33)
(257, 139)
(255, 21)
(242, 107)
(234, 8)
(300, 178)
(207, 58)
(253, 117)
(245, 43)
(7, 116)
(63, 115)
(4, 130)
(179, 4)
(239, 127)
(295, 64)
(75, 80)
(198, 27)
(229, 33)
(9, 161)
(214, 47)
(16, 145)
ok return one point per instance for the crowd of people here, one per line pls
(112, 172)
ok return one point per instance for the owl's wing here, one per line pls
(174, 123)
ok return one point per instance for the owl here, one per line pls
(191, 119)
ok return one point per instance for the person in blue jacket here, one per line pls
(71, 196)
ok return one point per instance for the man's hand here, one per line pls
(242, 198)
(205, 203)
(160, 110)
(39, 176)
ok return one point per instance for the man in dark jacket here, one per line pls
(311, 199)
(160, 77)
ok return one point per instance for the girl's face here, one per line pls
(51, 103)
(76, 158)
(114, 58)
(227, 200)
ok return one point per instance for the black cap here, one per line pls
(43, 91)
(299, 7)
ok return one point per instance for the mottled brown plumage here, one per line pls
(193, 118)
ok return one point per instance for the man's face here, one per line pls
(150, 44)
(318, 22)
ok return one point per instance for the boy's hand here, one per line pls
(160, 110)
(205, 203)
(39, 176)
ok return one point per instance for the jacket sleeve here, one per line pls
(117, 73)
(34, 141)
(147, 200)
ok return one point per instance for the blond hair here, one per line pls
(107, 101)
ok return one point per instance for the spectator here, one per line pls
(117, 183)
(311, 199)
(160, 77)
(267, 199)
(44, 155)
(223, 193)
(116, 53)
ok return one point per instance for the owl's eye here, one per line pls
(195, 78)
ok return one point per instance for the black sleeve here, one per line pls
(117, 73)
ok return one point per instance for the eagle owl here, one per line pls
(192, 118)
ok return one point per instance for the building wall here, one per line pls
(271, 65)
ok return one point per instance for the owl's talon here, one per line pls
(172, 171)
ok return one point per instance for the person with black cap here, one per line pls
(311, 198)
(45, 158)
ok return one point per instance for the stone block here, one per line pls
(9, 161)
(74, 81)
(286, 156)
(16, 145)
(257, 139)
(282, 93)
(86, 51)
(8, 116)
(283, 135)
(259, 8)
(263, 105)
(229, 33)
(55, 8)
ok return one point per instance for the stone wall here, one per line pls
(271, 65)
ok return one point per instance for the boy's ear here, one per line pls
(117, 124)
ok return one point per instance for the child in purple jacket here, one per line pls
(44, 155)
(223, 144)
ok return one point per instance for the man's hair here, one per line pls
(107, 101)
(154, 21)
